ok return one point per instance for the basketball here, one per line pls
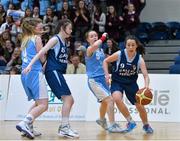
(144, 96)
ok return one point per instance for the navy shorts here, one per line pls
(129, 89)
(57, 83)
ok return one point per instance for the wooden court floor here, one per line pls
(91, 131)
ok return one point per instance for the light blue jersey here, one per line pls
(33, 82)
(27, 55)
(94, 64)
(96, 79)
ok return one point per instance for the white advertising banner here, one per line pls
(4, 81)
(166, 97)
(164, 107)
(18, 105)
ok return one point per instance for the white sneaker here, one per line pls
(66, 131)
(115, 128)
(24, 127)
(36, 133)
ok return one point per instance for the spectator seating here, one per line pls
(174, 27)
(143, 31)
(159, 31)
(177, 35)
(160, 57)
(175, 68)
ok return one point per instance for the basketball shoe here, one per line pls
(24, 128)
(36, 133)
(148, 129)
(115, 128)
(102, 123)
(66, 131)
(130, 126)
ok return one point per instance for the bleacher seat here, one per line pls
(178, 35)
(160, 31)
(143, 31)
(173, 26)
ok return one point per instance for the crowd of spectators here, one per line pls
(116, 17)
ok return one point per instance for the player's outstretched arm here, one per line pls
(49, 45)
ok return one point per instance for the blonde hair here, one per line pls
(28, 28)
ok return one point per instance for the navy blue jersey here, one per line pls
(125, 70)
(57, 57)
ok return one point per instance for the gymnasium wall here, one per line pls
(161, 10)
(164, 107)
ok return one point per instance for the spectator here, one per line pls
(66, 12)
(4, 37)
(36, 12)
(2, 14)
(112, 47)
(28, 12)
(50, 18)
(9, 48)
(16, 28)
(3, 61)
(98, 20)
(15, 58)
(112, 23)
(81, 20)
(76, 67)
(131, 20)
(14, 70)
(81, 52)
(7, 25)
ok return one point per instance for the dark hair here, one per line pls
(1, 51)
(140, 48)
(62, 23)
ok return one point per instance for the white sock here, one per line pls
(29, 119)
(129, 119)
(65, 121)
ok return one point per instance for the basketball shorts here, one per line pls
(57, 83)
(34, 85)
(99, 87)
(129, 89)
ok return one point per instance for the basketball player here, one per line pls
(34, 82)
(124, 79)
(57, 59)
(97, 82)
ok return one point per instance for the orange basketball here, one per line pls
(144, 96)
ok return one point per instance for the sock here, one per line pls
(65, 121)
(129, 119)
(102, 119)
(146, 123)
(28, 119)
(111, 124)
